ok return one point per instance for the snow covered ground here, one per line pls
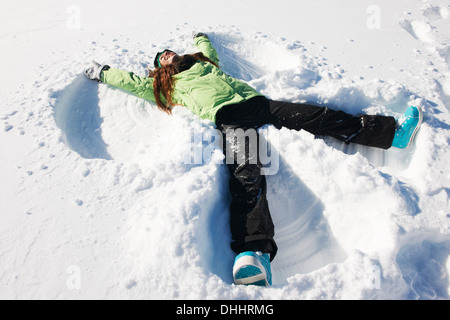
(96, 201)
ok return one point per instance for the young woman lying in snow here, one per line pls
(197, 82)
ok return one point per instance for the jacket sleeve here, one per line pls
(204, 45)
(128, 81)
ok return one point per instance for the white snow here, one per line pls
(98, 202)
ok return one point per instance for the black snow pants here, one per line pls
(251, 223)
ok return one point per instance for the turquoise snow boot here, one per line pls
(407, 127)
(252, 268)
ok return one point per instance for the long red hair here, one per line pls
(163, 78)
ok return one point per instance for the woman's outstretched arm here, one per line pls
(203, 44)
(130, 82)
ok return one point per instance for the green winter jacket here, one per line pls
(203, 88)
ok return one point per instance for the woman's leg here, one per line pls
(251, 224)
(375, 131)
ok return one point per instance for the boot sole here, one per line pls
(413, 136)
